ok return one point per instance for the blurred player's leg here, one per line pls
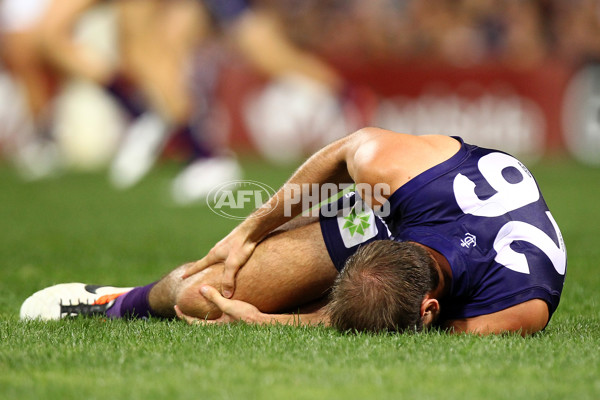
(158, 39)
(32, 151)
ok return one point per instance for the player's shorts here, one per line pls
(21, 15)
(347, 224)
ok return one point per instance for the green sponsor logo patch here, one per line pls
(357, 223)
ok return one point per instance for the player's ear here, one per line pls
(430, 309)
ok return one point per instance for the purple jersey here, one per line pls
(483, 211)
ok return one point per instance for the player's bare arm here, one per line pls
(236, 310)
(327, 165)
(526, 318)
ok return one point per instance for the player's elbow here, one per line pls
(361, 150)
(366, 133)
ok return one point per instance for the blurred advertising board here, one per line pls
(527, 112)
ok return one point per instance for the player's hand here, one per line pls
(234, 250)
(233, 310)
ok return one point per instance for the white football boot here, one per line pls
(70, 299)
(196, 181)
(141, 147)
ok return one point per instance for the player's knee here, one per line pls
(191, 302)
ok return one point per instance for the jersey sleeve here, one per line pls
(347, 224)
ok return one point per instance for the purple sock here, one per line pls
(133, 304)
(199, 146)
(126, 96)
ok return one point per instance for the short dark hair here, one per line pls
(381, 288)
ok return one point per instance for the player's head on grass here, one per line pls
(382, 288)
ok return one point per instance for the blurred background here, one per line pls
(121, 85)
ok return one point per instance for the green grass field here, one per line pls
(76, 228)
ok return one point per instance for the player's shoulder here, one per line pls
(376, 133)
(373, 144)
(380, 155)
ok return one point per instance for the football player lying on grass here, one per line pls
(438, 231)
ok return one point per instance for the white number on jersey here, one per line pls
(516, 230)
(509, 197)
